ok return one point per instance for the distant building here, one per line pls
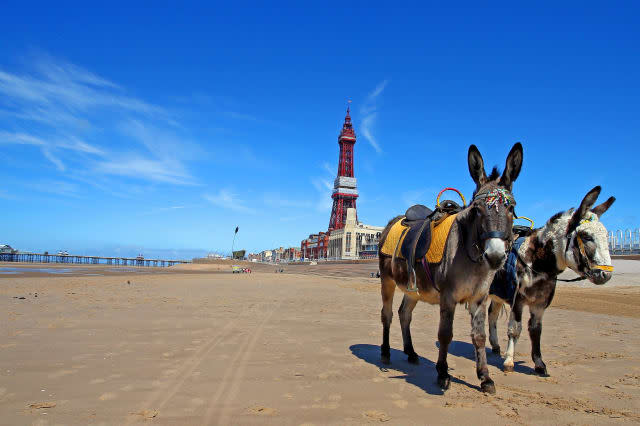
(291, 254)
(265, 256)
(6, 249)
(315, 247)
(355, 240)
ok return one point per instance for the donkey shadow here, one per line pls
(422, 375)
(467, 350)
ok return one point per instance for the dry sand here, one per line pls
(199, 345)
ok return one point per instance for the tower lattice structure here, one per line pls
(345, 191)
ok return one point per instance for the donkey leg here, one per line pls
(445, 335)
(494, 312)
(387, 290)
(478, 313)
(406, 308)
(535, 331)
(513, 332)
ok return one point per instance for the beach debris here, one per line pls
(19, 297)
(47, 404)
(262, 411)
(128, 282)
(147, 414)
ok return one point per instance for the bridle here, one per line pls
(492, 198)
(582, 252)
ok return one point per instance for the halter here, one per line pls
(493, 198)
(583, 253)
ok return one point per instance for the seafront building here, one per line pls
(355, 240)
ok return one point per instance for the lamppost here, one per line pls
(234, 242)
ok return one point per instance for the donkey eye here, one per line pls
(586, 238)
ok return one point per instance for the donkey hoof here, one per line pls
(496, 350)
(413, 358)
(444, 382)
(488, 386)
(507, 368)
(542, 371)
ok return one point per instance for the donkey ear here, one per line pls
(587, 202)
(599, 210)
(513, 166)
(476, 166)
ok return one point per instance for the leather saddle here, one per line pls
(417, 236)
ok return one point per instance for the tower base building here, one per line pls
(354, 240)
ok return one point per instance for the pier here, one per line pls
(87, 260)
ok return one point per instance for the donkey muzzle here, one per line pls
(598, 276)
(495, 252)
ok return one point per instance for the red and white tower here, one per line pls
(345, 190)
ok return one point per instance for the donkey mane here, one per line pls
(495, 173)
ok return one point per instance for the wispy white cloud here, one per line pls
(58, 101)
(228, 200)
(329, 169)
(276, 200)
(370, 115)
(162, 209)
(50, 147)
(324, 187)
(137, 167)
(55, 160)
(55, 187)
(66, 86)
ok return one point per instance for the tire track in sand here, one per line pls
(235, 373)
(168, 391)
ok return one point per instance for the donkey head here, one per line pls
(587, 249)
(492, 207)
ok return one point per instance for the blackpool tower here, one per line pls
(345, 190)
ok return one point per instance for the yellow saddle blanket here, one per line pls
(439, 233)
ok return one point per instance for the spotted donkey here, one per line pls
(574, 239)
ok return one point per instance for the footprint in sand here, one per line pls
(197, 401)
(127, 388)
(96, 381)
(376, 415)
(61, 373)
(425, 402)
(169, 372)
(401, 403)
(107, 396)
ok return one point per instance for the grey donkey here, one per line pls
(475, 249)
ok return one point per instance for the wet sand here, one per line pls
(199, 345)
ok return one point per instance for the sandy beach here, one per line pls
(196, 344)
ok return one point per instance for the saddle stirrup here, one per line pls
(412, 284)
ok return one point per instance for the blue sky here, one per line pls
(134, 128)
